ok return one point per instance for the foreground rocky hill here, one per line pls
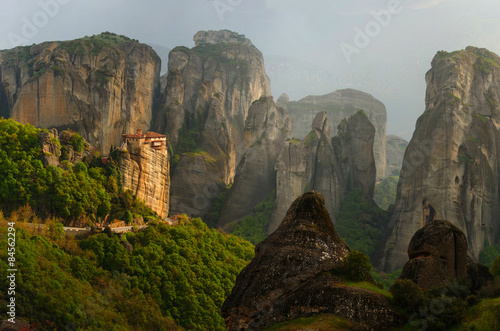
(297, 271)
(339, 105)
(328, 165)
(451, 167)
(209, 91)
(100, 86)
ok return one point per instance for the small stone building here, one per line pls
(155, 140)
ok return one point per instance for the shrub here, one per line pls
(407, 294)
(357, 266)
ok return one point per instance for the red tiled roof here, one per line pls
(149, 134)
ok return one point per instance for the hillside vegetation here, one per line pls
(157, 279)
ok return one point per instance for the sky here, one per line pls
(382, 47)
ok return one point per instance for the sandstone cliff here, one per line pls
(330, 166)
(209, 91)
(395, 152)
(266, 129)
(451, 166)
(295, 273)
(339, 105)
(146, 172)
(100, 86)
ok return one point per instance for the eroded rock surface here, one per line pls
(146, 172)
(293, 275)
(438, 254)
(100, 86)
(266, 129)
(209, 91)
(330, 166)
(339, 105)
(451, 166)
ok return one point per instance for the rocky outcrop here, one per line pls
(210, 89)
(330, 166)
(438, 254)
(338, 106)
(451, 166)
(354, 150)
(100, 86)
(58, 147)
(220, 37)
(50, 148)
(146, 172)
(266, 129)
(394, 152)
(293, 274)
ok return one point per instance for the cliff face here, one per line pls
(395, 152)
(146, 172)
(100, 86)
(451, 166)
(339, 105)
(295, 274)
(266, 129)
(209, 91)
(330, 166)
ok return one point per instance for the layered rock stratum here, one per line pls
(451, 166)
(295, 273)
(100, 86)
(328, 165)
(266, 129)
(209, 91)
(339, 105)
(146, 172)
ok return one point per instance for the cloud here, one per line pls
(423, 4)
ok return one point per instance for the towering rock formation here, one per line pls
(146, 171)
(295, 273)
(100, 86)
(395, 152)
(266, 129)
(329, 166)
(339, 105)
(451, 166)
(210, 89)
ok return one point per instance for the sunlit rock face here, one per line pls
(100, 86)
(146, 172)
(451, 166)
(210, 89)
